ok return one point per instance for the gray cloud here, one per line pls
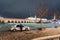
(24, 7)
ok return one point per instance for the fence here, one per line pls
(54, 37)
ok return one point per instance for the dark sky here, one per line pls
(25, 8)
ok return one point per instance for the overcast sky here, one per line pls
(25, 8)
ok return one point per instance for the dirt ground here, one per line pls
(28, 35)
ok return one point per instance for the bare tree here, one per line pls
(42, 11)
(56, 13)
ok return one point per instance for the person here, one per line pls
(21, 26)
